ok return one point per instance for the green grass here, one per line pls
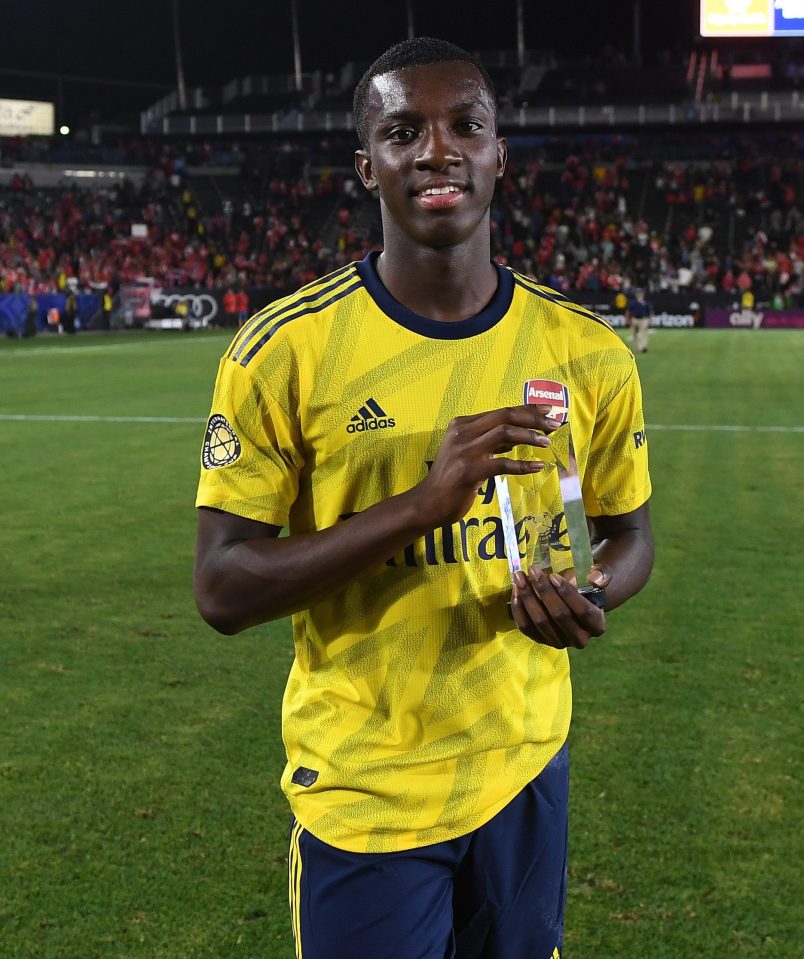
(140, 753)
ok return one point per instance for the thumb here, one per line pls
(599, 576)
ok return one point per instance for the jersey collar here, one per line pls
(436, 329)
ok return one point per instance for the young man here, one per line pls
(638, 315)
(424, 723)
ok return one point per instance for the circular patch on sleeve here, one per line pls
(221, 445)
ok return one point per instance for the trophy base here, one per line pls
(596, 595)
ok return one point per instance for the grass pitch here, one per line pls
(140, 753)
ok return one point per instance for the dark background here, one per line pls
(134, 41)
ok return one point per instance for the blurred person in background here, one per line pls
(242, 306)
(639, 315)
(230, 307)
(31, 314)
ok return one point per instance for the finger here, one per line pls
(528, 411)
(529, 417)
(531, 616)
(504, 437)
(562, 618)
(590, 617)
(518, 613)
(524, 623)
(574, 618)
(501, 465)
(547, 413)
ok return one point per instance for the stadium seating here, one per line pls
(590, 212)
(719, 209)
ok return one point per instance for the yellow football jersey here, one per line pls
(414, 710)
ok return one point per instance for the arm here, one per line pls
(245, 574)
(550, 610)
(622, 547)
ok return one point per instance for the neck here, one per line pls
(448, 284)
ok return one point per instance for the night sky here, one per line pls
(133, 41)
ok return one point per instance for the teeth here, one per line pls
(440, 190)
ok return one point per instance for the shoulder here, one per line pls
(575, 317)
(302, 313)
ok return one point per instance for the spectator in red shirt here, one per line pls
(242, 306)
(230, 307)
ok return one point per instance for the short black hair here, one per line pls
(417, 52)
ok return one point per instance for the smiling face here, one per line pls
(433, 153)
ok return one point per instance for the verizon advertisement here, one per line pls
(674, 321)
(670, 310)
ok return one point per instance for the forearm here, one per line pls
(627, 555)
(252, 580)
(245, 574)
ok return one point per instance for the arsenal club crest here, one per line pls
(549, 393)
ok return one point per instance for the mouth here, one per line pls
(440, 197)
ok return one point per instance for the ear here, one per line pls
(364, 170)
(502, 156)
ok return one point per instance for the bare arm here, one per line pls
(245, 574)
(552, 611)
(622, 548)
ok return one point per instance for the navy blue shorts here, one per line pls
(496, 893)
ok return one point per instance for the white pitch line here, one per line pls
(678, 427)
(716, 428)
(14, 353)
(30, 417)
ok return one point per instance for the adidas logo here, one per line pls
(370, 416)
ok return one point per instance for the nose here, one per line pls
(438, 150)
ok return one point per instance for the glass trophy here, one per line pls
(544, 520)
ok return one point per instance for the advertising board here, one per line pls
(752, 18)
(22, 118)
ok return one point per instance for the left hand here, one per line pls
(550, 610)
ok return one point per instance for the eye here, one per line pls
(469, 125)
(402, 134)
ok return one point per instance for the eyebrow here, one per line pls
(461, 107)
(468, 105)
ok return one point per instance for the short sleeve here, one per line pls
(251, 456)
(616, 479)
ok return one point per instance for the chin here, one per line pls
(446, 234)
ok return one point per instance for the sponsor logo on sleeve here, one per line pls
(549, 393)
(221, 445)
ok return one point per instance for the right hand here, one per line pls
(468, 457)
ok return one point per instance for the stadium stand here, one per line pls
(580, 210)
(604, 218)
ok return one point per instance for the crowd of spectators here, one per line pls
(737, 227)
(177, 229)
(586, 214)
(610, 222)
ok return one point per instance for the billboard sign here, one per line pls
(743, 319)
(752, 18)
(25, 118)
(788, 18)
